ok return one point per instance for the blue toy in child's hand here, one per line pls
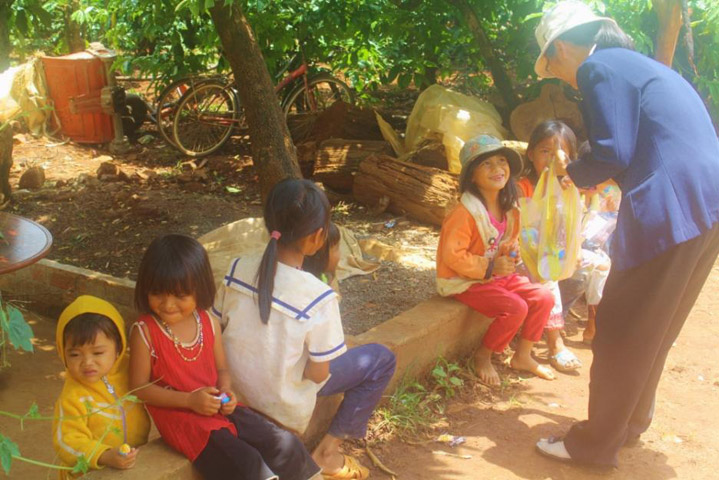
(513, 254)
(223, 398)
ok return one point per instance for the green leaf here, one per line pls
(82, 465)
(439, 372)
(8, 449)
(34, 411)
(456, 381)
(19, 331)
(232, 189)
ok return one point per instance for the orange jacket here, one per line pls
(525, 187)
(460, 253)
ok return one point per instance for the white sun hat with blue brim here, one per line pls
(483, 145)
(558, 20)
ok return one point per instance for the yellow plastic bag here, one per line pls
(550, 234)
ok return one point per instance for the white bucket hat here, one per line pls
(561, 18)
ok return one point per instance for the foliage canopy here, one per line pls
(373, 42)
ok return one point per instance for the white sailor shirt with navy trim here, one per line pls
(267, 361)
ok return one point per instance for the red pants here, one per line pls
(511, 301)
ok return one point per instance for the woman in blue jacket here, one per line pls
(650, 132)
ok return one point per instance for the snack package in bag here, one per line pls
(550, 235)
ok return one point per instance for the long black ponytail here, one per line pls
(294, 209)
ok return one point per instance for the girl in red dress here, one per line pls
(182, 367)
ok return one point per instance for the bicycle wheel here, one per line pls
(205, 118)
(322, 91)
(169, 99)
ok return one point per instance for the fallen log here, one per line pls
(424, 193)
(343, 120)
(337, 160)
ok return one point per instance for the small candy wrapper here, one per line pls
(451, 440)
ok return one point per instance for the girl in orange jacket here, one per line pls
(477, 253)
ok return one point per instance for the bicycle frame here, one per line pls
(294, 75)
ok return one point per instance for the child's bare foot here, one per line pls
(528, 364)
(591, 330)
(485, 371)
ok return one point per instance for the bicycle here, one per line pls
(208, 112)
(169, 98)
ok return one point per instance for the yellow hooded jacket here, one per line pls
(84, 411)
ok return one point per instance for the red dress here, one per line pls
(182, 429)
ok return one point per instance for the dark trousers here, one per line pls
(639, 318)
(260, 451)
(361, 373)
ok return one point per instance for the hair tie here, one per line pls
(275, 234)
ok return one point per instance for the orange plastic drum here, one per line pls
(74, 83)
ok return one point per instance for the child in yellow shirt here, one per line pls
(89, 422)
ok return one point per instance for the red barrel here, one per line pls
(74, 84)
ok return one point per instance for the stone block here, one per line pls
(156, 461)
(324, 412)
(63, 279)
(438, 326)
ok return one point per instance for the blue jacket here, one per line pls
(651, 133)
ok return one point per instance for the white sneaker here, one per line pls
(554, 449)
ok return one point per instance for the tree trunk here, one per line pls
(424, 193)
(73, 30)
(669, 14)
(337, 160)
(501, 79)
(5, 162)
(273, 152)
(5, 46)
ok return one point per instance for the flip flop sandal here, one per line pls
(351, 470)
(562, 361)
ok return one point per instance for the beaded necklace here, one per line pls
(178, 344)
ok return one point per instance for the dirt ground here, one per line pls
(105, 225)
(500, 425)
(104, 221)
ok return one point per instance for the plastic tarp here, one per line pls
(249, 236)
(455, 117)
(23, 95)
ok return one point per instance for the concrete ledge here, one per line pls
(49, 286)
(438, 326)
(156, 461)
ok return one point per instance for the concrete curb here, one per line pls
(436, 327)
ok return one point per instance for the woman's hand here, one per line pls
(562, 160)
(503, 265)
(204, 401)
(113, 458)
